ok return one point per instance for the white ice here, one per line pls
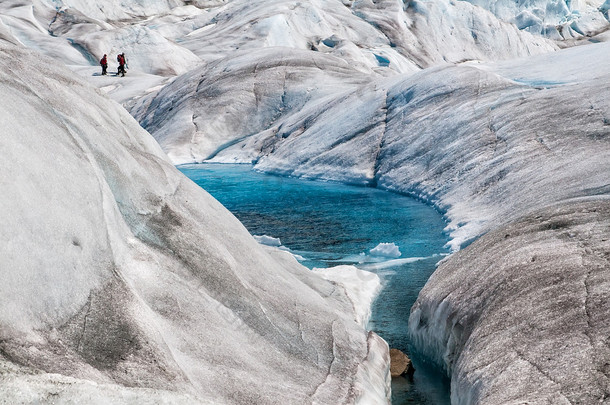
(386, 250)
(555, 19)
(361, 287)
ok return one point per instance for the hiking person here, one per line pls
(104, 64)
(121, 59)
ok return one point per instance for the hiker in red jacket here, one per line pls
(104, 64)
(121, 59)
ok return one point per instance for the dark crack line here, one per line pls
(490, 117)
(584, 246)
(544, 374)
(586, 309)
(377, 163)
(300, 326)
(282, 107)
(82, 335)
(193, 138)
(330, 366)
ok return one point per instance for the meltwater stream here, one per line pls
(329, 224)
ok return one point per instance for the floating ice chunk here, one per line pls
(268, 240)
(386, 250)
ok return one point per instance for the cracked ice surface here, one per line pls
(557, 19)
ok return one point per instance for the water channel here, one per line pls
(327, 224)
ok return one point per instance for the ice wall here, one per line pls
(522, 314)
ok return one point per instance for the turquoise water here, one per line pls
(328, 224)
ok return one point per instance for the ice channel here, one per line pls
(327, 224)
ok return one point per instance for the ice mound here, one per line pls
(386, 250)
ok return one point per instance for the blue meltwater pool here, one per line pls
(327, 224)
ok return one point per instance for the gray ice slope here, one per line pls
(207, 109)
(523, 315)
(123, 281)
(515, 154)
(257, 77)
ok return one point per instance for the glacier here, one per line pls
(262, 82)
(456, 144)
(496, 113)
